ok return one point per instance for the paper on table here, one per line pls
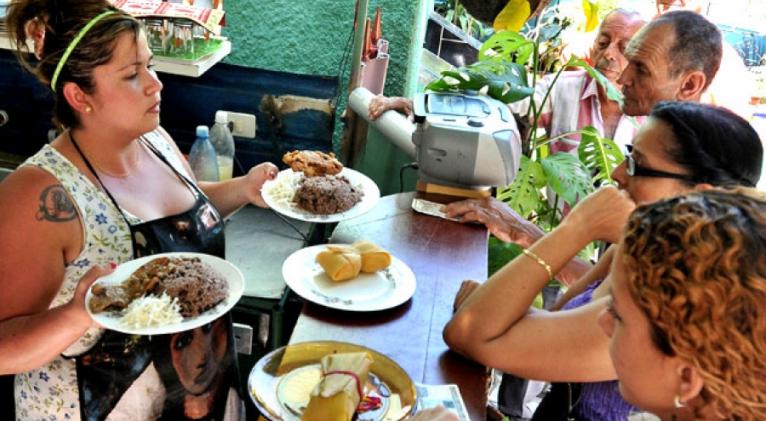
(446, 395)
(431, 208)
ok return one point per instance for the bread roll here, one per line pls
(374, 258)
(340, 263)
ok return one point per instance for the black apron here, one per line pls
(195, 366)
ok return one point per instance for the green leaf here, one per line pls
(589, 252)
(567, 176)
(500, 253)
(547, 217)
(523, 195)
(611, 91)
(599, 154)
(507, 46)
(507, 82)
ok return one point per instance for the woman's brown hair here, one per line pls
(696, 266)
(61, 21)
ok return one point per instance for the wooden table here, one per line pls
(442, 254)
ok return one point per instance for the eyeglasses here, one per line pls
(635, 170)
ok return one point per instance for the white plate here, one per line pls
(229, 272)
(381, 290)
(278, 194)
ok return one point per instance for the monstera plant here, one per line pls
(509, 65)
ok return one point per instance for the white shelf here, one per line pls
(193, 69)
(176, 67)
(5, 42)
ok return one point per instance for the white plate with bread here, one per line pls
(366, 291)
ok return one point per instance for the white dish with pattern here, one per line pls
(384, 289)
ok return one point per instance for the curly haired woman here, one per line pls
(687, 321)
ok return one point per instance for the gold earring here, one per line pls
(88, 109)
(677, 402)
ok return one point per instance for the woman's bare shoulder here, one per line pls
(38, 225)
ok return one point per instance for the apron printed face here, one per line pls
(197, 368)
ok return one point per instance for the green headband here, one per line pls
(73, 45)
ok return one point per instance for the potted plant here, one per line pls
(509, 65)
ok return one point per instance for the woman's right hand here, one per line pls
(602, 215)
(380, 104)
(77, 303)
(498, 217)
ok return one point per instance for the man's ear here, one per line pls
(691, 382)
(692, 86)
(76, 98)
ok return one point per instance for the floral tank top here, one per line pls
(51, 391)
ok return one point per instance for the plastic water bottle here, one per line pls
(223, 142)
(202, 157)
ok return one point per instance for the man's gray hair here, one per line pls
(698, 44)
(628, 13)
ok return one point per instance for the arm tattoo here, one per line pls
(55, 205)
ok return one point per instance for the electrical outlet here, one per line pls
(243, 338)
(244, 125)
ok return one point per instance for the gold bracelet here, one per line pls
(539, 261)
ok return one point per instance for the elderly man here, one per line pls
(577, 100)
(733, 84)
(674, 57)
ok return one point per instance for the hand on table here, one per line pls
(258, 175)
(498, 217)
(466, 289)
(602, 215)
(380, 104)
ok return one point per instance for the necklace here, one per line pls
(93, 166)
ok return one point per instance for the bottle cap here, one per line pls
(203, 131)
(221, 117)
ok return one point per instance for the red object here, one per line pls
(367, 46)
(377, 30)
(369, 403)
(352, 374)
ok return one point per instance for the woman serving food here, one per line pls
(112, 187)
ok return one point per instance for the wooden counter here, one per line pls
(442, 254)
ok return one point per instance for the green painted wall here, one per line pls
(311, 37)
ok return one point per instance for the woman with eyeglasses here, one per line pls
(682, 147)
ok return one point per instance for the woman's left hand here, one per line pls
(258, 175)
